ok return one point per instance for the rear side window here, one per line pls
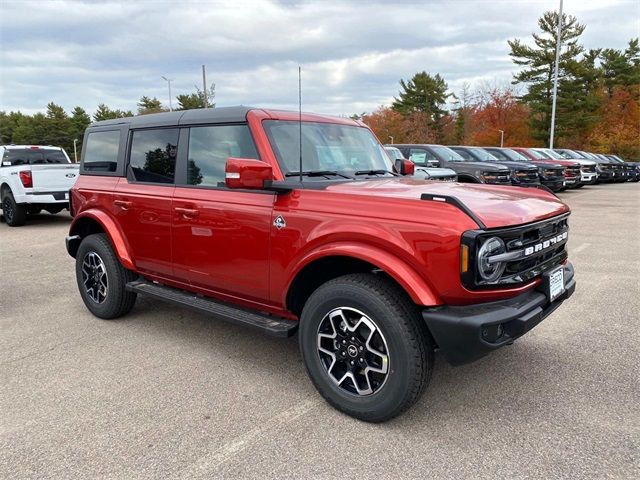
(153, 155)
(101, 151)
(32, 156)
(209, 149)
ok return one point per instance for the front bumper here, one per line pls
(466, 333)
(554, 184)
(589, 177)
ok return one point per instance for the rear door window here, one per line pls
(101, 151)
(152, 156)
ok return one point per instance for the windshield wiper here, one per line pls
(317, 173)
(375, 172)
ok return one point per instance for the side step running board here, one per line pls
(276, 326)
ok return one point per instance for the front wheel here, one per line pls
(365, 346)
(102, 279)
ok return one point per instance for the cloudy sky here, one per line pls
(352, 53)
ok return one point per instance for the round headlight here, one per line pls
(490, 272)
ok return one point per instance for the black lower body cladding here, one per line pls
(466, 333)
(555, 184)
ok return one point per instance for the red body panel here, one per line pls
(223, 242)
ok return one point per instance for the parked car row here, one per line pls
(555, 169)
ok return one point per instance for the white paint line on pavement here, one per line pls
(580, 248)
(209, 462)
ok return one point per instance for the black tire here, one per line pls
(408, 346)
(14, 214)
(115, 300)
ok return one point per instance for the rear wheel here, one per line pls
(102, 279)
(14, 214)
(365, 347)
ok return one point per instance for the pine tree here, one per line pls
(427, 95)
(148, 105)
(538, 74)
(105, 113)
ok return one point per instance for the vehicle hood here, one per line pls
(588, 163)
(495, 206)
(484, 166)
(564, 163)
(519, 165)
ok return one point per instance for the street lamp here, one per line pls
(169, 80)
(391, 139)
(555, 79)
(501, 138)
(75, 150)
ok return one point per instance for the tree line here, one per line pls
(598, 100)
(59, 128)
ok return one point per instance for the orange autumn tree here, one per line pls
(618, 127)
(499, 109)
(387, 123)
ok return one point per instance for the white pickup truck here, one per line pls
(34, 178)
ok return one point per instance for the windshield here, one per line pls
(569, 154)
(32, 156)
(326, 147)
(552, 154)
(394, 153)
(513, 155)
(482, 154)
(446, 154)
(537, 155)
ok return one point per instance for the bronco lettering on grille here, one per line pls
(538, 247)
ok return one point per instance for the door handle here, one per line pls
(123, 204)
(187, 212)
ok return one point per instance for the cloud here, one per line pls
(352, 54)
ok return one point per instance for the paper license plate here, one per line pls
(556, 283)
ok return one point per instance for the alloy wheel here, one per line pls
(94, 277)
(7, 209)
(353, 351)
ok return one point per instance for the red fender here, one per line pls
(406, 276)
(112, 230)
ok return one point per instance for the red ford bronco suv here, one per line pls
(287, 223)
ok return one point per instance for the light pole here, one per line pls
(391, 139)
(169, 80)
(75, 150)
(555, 79)
(501, 138)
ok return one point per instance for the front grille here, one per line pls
(527, 175)
(571, 172)
(550, 173)
(541, 242)
(501, 177)
(588, 168)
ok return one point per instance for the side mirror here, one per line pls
(404, 166)
(247, 173)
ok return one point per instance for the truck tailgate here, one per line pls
(53, 178)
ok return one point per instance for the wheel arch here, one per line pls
(4, 187)
(320, 267)
(90, 222)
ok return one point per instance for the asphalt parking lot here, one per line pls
(165, 393)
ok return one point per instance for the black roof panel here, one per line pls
(182, 117)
